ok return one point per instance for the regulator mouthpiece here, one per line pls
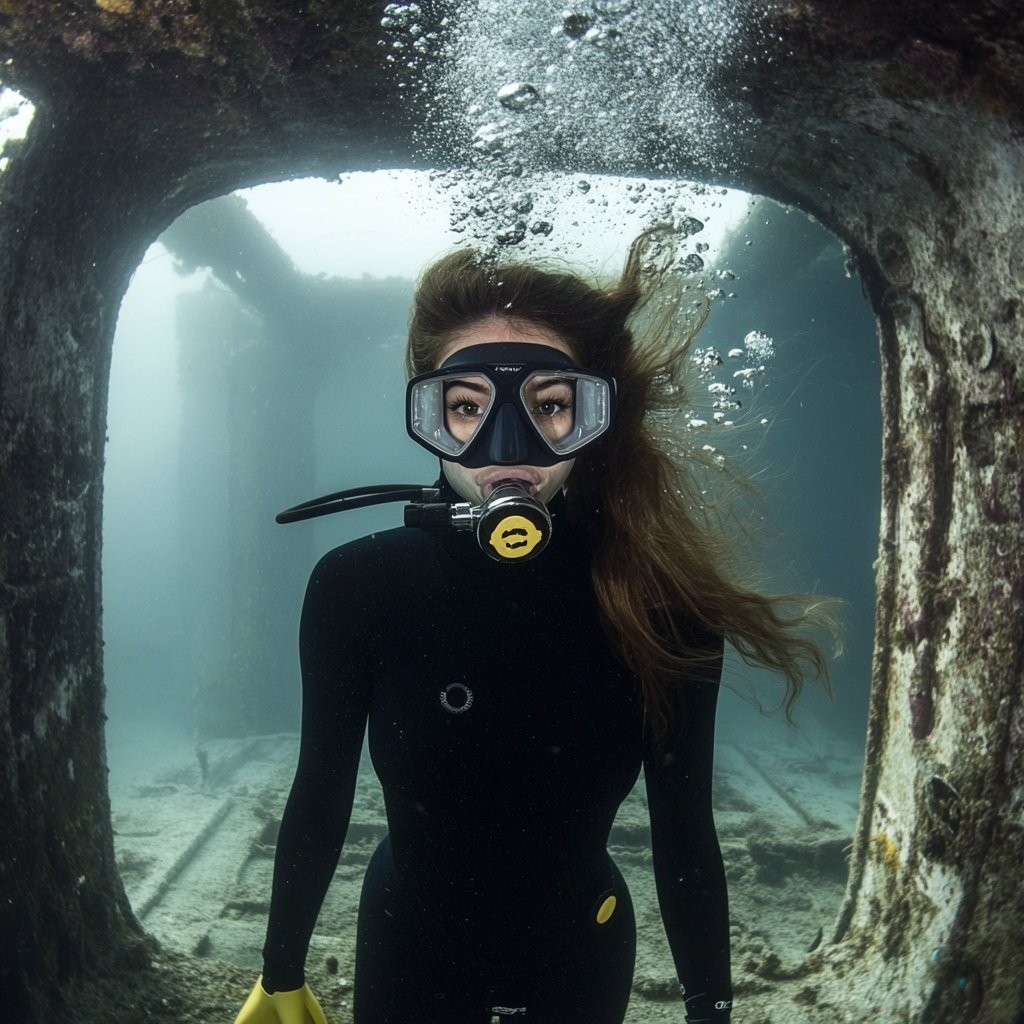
(511, 525)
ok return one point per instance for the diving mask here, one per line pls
(508, 404)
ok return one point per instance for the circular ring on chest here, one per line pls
(456, 698)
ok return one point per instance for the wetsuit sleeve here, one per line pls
(688, 868)
(335, 641)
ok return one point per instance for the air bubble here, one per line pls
(747, 374)
(518, 96)
(687, 226)
(602, 36)
(513, 234)
(706, 361)
(493, 139)
(735, 353)
(759, 346)
(521, 202)
(575, 23)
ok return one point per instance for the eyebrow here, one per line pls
(469, 385)
(547, 382)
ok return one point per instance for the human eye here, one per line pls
(553, 399)
(550, 402)
(465, 407)
(554, 406)
(465, 403)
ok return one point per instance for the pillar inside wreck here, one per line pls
(260, 346)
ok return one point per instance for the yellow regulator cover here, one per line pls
(298, 1006)
(515, 536)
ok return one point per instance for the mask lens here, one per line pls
(550, 400)
(467, 401)
(569, 409)
(447, 413)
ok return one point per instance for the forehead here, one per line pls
(493, 331)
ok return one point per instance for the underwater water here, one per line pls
(210, 437)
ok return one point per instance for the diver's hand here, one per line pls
(296, 1007)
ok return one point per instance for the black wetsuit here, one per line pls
(505, 736)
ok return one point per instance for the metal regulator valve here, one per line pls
(510, 525)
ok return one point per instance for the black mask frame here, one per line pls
(508, 435)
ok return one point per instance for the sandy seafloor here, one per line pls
(195, 833)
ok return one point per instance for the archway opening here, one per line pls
(209, 438)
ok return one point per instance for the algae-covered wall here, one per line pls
(898, 126)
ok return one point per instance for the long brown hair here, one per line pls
(662, 558)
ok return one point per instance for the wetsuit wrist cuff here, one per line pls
(282, 981)
(702, 1011)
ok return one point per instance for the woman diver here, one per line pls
(511, 702)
